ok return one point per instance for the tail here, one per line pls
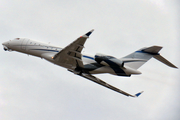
(138, 58)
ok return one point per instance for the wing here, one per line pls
(70, 56)
(99, 81)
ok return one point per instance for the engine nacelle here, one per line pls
(108, 60)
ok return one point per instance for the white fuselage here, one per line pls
(48, 51)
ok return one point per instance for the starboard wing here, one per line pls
(71, 54)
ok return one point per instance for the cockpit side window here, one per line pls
(17, 38)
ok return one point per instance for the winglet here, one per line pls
(138, 94)
(88, 34)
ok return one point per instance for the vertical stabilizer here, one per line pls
(136, 59)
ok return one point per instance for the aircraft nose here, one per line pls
(5, 45)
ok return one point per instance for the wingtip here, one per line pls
(92, 30)
(138, 94)
(89, 33)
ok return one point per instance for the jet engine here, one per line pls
(108, 60)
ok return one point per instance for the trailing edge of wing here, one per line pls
(99, 81)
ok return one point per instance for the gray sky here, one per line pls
(34, 89)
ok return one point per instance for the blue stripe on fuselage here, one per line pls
(45, 50)
(88, 57)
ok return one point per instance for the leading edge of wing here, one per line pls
(100, 82)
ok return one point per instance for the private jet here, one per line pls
(85, 65)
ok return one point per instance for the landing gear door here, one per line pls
(24, 43)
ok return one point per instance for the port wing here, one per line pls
(100, 82)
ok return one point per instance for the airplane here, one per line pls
(85, 65)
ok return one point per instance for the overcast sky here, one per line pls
(34, 89)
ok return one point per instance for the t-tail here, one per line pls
(138, 58)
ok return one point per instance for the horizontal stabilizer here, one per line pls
(152, 49)
(163, 60)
